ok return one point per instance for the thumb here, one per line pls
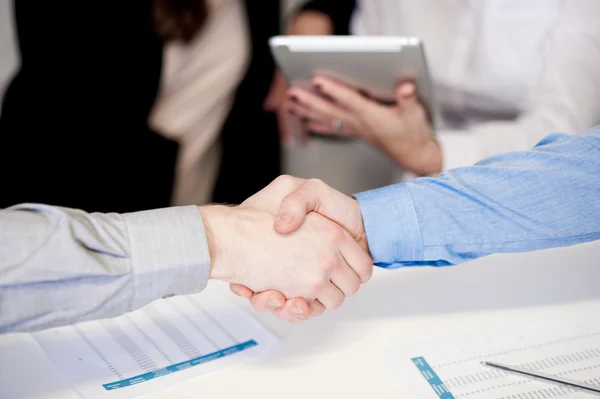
(295, 207)
(315, 195)
(241, 290)
(406, 95)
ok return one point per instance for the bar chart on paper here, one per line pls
(166, 342)
(455, 371)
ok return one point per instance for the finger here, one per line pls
(316, 308)
(313, 113)
(315, 195)
(319, 128)
(407, 102)
(299, 110)
(406, 90)
(406, 98)
(268, 301)
(345, 278)
(270, 196)
(306, 198)
(332, 297)
(287, 313)
(321, 110)
(293, 309)
(316, 123)
(294, 208)
(357, 259)
(241, 290)
(346, 96)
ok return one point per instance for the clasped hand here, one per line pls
(401, 130)
(297, 239)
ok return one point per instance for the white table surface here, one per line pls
(346, 353)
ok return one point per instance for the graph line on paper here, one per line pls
(576, 357)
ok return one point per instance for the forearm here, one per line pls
(425, 161)
(61, 266)
(513, 202)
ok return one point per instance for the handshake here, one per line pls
(295, 248)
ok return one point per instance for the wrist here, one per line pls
(361, 235)
(310, 23)
(216, 220)
(422, 157)
(426, 160)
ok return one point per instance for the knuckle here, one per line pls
(316, 183)
(285, 180)
(294, 198)
(317, 288)
(328, 264)
(335, 236)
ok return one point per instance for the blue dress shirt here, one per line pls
(513, 202)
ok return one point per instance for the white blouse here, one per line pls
(506, 72)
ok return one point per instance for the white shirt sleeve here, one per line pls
(565, 99)
(60, 266)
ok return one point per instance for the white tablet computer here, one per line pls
(374, 65)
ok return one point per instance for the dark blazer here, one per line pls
(74, 125)
(73, 129)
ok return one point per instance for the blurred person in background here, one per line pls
(505, 74)
(7, 46)
(73, 128)
(141, 105)
(250, 139)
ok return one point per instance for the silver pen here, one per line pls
(563, 382)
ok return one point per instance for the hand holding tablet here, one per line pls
(373, 65)
(373, 88)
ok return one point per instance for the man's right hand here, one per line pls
(319, 260)
(311, 196)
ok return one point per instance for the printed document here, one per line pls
(568, 348)
(167, 342)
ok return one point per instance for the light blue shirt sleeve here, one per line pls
(513, 202)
